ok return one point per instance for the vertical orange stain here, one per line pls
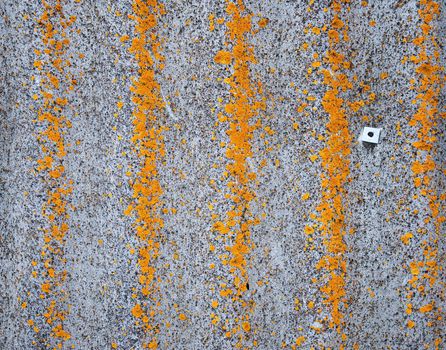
(241, 109)
(149, 147)
(425, 120)
(336, 163)
(55, 84)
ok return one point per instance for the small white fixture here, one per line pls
(370, 135)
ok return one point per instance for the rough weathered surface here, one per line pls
(285, 302)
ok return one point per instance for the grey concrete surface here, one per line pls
(102, 271)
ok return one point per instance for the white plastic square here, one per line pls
(370, 135)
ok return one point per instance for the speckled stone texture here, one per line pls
(103, 274)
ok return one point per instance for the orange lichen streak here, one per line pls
(335, 162)
(428, 86)
(56, 83)
(149, 147)
(240, 112)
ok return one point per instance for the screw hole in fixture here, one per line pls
(370, 136)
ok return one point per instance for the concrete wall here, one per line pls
(387, 278)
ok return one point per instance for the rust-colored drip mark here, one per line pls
(425, 120)
(56, 82)
(335, 162)
(243, 106)
(149, 147)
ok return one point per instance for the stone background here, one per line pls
(103, 273)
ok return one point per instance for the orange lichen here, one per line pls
(211, 18)
(241, 109)
(137, 311)
(430, 82)
(56, 82)
(300, 340)
(149, 147)
(426, 308)
(59, 332)
(246, 326)
(406, 237)
(223, 57)
(263, 22)
(335, 161)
